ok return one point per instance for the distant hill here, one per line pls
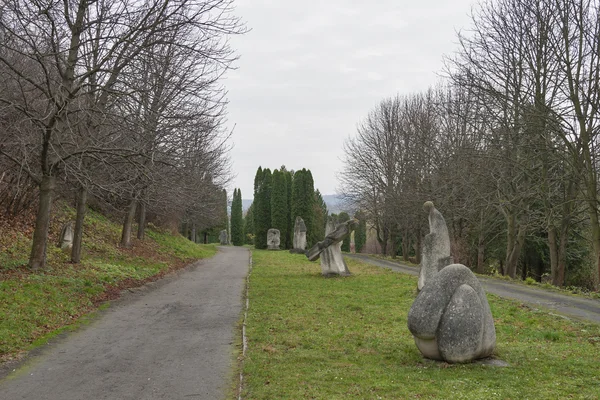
(246, 203)
(334, 204)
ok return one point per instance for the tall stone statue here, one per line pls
(436, 246)
(273, 239)
(330, 249)
(65, 241)
(450, 319)
(299, 242)
(223, 239)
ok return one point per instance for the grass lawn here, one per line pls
(337, 338)
(37, 305)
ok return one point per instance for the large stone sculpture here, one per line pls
(273, 239)
(450, 319)
(436, 246)
(223, 239)
(330, 249)
(299, 243)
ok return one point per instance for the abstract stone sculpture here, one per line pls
(436, 246)
(273, 239)
(330, 249)
(451, 319)
(299, 243)
(223, 237)
(66, 236)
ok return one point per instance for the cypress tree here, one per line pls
(319, 217)
(249, 225)
(288, 239)
(279, 212)
(303, 201)
(343, 217)
(360, 234)
(237, 229)
(262, 207)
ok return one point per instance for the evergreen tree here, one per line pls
(262, 207)
(360, 233)
(343, 217)
(279, 204)
(249, 225)
(291, 220)
(319, 217)
(303, 202)
(237, 228)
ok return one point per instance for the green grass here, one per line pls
(35, 306)
(338, 338)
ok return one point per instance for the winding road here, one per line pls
(173, 339)
(569, 306)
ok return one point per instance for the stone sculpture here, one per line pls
(436, 246)
(330, 249)
(273, 239)
(450, 319)
(299, 242)
(65, 241)
(223, 239)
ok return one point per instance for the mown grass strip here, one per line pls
(338, 338)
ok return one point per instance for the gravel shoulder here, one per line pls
(170, 340)
(565, 305)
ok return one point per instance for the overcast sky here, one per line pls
(311, 70)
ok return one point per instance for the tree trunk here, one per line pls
(205, 241)
(127, 224)
(141, 232)
(480, 269)
(393, 242)
(515, 254)
(79, 219)
(193, 234)
(562, 258)
(405, 245)
(37, 259)
(596, 239)
(510, 238)
(553, 249)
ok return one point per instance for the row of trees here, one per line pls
(506, 147)
(280, 197)
(116, 99)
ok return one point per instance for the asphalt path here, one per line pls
(170, 340)
(565, 305)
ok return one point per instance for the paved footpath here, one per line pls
(171, 340)
(570, 306)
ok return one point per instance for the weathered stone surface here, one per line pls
(330, 249)
(65, 240)
(451, 319)
(436, 246)
(273, 239)
(223, 239)
(299, 242)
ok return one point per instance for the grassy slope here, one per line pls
(36, 305)
(338, 338)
